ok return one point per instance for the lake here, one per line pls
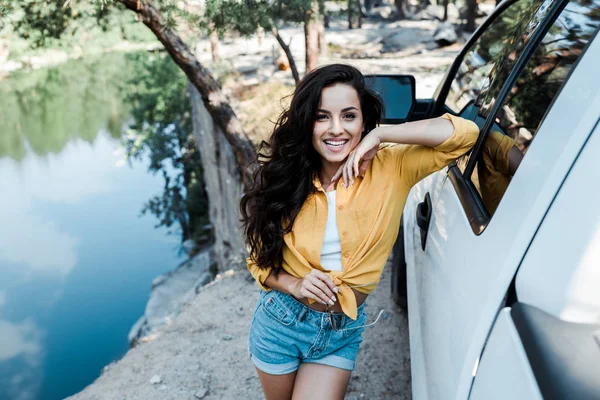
(77, 258)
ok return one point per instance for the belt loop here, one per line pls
(302, 314)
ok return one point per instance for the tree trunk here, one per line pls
(360, 14)
(400, 9)
(210, 89)
(471, 13)
(260, 34)
(445, 17)
(324, 14)
(288, 53)
(350, 13)
(368, 5)
(214, 45)
(311, 38)
(221, 178)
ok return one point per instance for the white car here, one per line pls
(498, 257)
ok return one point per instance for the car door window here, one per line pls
(524, 108)
(489, 53)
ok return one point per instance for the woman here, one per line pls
(321, 221)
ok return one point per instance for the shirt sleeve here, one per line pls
(416, 161)
(260, 274)
(494, 172)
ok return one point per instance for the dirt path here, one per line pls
(203, 354)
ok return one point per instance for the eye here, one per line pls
(320, 117)
(350, 115)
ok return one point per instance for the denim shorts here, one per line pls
(284, 333)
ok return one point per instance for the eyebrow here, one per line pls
(344, 110)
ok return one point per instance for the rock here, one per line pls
(155, 380)
(170, 292)
(437, 12)
(188, 246)
(400, 40)
(382, 12)
(445, 34)
(201, 393)
(227, 337)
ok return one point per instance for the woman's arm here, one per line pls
(430, 132)
(429, 146)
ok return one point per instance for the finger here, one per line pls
(325, 278)
(348, 168)
(307, 294)
(345, 175)
(317, 293)
(338, 173)
(363, 167)
(355, 166)
(323, 288)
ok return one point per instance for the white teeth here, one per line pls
(337, 143)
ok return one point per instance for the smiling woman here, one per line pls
(317, 247)
(338, 127)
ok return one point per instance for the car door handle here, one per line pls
(423, 218)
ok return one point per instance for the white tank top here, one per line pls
(331, 252)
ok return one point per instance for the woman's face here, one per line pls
(338, 124)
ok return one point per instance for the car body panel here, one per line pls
(560, 273)
(504, 371)
(457, 285)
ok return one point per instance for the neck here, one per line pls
(327, 171)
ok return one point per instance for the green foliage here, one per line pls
(162, 128)
(61, 24)
(245, 16)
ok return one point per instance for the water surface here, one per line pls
(76, 258)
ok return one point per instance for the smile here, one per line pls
(336, 142)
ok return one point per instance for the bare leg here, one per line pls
(320, 382)
(277, 387)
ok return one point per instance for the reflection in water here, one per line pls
(45, 109)
(76, 259)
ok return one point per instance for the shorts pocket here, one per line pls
(278, 311)
(354, 327)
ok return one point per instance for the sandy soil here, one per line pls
(203, 353)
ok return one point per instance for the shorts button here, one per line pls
(344, 233)
(340, 207)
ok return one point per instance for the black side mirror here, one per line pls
(398, 94)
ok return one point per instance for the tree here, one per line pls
(57, 16)
(400, 13)
(471, 14)
(162, 128)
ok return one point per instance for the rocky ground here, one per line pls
(201, 353)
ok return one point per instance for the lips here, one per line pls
(336, 143)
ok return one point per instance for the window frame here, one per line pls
(471, 201)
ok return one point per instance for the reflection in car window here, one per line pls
(488, 50)
(522, 111)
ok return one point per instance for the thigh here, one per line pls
(277, 387)
(320, 382)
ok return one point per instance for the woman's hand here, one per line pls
(359, 159)
(317, 286)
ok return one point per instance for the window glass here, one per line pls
(500, 37)
(523, 109)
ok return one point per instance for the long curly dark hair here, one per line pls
(288, 163)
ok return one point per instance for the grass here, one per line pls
(259, 106)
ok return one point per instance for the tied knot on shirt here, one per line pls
(346, 297)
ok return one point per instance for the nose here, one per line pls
(336, 126)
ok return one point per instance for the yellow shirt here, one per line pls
(368, 215)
